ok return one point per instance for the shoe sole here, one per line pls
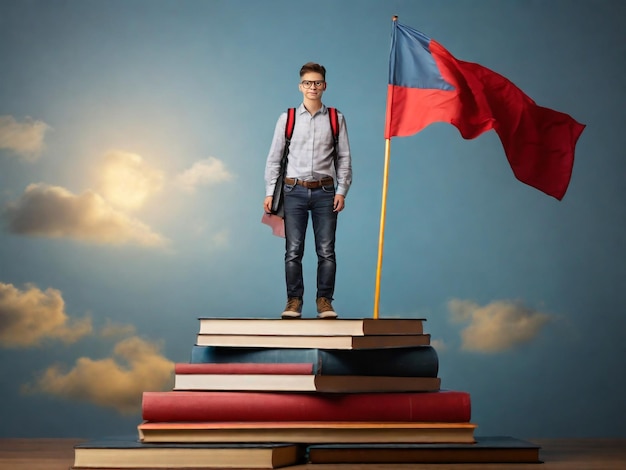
(291, 316)
(327, 316)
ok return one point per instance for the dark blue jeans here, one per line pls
(299, 201)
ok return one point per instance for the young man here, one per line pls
(312, 184)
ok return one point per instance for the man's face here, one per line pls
(316, 85)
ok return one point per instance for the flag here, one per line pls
(275, 222)
(427, 84)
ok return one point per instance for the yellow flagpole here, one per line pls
(381, 236)
(383, 210)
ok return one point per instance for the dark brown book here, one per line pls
(129, 452)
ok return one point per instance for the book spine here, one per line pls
(443, 406)
(417, 361)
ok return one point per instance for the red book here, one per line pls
(443, 406)
(245, 368)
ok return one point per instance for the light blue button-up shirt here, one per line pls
(310, 151)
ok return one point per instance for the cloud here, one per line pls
(25, 139)
(209, 171)
(498, 326)
(53, 211)
(117, 382)
(126, 180)
(30, 316)
(112, 330)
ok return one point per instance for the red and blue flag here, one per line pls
(427, 84)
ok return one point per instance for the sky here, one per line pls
(133, 139)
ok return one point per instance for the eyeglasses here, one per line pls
(309, 83)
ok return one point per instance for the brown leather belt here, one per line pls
(327, 181)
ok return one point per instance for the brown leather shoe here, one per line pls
(325, 309)
(293, 309)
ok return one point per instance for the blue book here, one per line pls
(497, 449)
(416, 361)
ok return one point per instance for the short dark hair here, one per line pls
(313, 67)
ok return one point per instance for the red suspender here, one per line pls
(291, 122)
(334, 124)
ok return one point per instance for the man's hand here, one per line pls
(339, 203)
(267, 204)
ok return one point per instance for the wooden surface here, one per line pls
(557, 454)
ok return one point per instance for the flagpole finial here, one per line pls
(394, 18)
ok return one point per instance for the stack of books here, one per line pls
(308, 381)
(267, 393)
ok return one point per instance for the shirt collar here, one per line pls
(302, 109)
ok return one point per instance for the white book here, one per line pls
(311, 326)
(319, 342)
(305, 383)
